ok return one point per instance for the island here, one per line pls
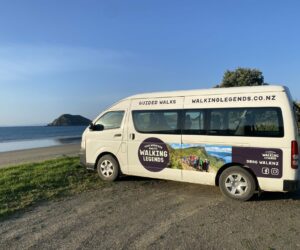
(70, 120)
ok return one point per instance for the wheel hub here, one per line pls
(236, 184)
(107, 168)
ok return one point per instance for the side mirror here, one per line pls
(97, 127)
(91, 126)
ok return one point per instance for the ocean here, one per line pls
(18, 138)
(225, 156)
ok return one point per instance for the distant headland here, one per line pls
(70, 120)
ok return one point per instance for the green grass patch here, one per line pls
(24, 185)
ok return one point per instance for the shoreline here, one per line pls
(17, 157)
(18, 145)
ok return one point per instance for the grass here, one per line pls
(24, 185)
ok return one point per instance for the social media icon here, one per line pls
(275, 171)
(265, 170)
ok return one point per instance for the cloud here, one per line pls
(22, 62)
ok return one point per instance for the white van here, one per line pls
(243, 139)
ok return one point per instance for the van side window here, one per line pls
(194, 122)
(225, 121)
(111, 120)
(255, 122)
(218, 123)
(267, 123)
(159, 122)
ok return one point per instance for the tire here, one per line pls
(108, 168)
(237, 183)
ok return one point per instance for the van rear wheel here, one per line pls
(108, 168)
(237, 183)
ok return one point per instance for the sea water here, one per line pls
(18, 138)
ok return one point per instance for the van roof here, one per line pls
(212, 91)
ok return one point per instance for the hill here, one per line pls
(178, 154)
(70, 120)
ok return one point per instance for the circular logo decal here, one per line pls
(154, 154)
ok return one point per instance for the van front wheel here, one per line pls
(237, 183)
(108, 168)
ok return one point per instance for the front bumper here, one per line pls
(83, 162)
(290, 186)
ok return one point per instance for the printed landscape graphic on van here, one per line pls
(199, 157)
(155, 155)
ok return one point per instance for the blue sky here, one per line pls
(78, 57)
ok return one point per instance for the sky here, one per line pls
(80, 56)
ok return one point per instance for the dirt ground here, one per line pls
(138, 213)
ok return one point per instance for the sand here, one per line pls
(37, 154)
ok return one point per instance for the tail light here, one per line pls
(294, 155)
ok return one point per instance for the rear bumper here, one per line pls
(290, 186)
(83, 162)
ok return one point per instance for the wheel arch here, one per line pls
(228, 165)
(106, 153)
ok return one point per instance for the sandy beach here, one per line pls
(37, 154)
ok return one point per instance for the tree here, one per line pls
(242, 77)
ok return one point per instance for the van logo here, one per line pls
(265, 162)
(270, 155)
(154, 154)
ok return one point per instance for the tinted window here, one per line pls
(257, 122)
(225, 121)
(160, 122)
(297, 116)
(266, 123)
(111, 120)
(217, 122)
(194, 122)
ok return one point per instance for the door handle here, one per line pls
(117, 135)
(132, 136)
